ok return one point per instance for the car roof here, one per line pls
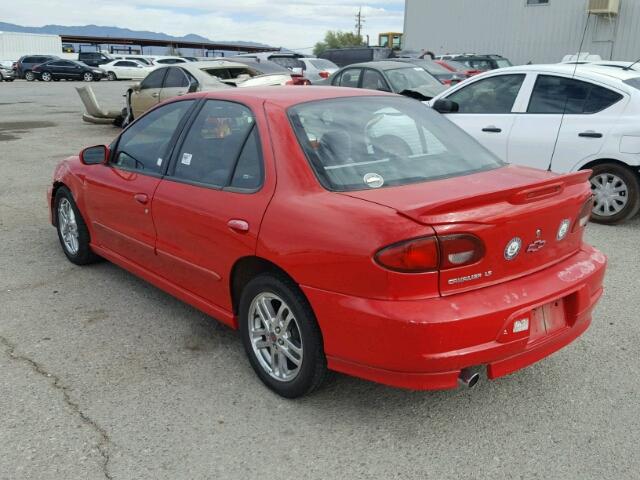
(380, 65)
(286, 96)
(598, 72)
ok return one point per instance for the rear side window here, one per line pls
(154, 79)
(490, 95)
(175, 78)
(221, 148)
(142, 146)
(557, 95)
(359, 143)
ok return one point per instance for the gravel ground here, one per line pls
(104, 376)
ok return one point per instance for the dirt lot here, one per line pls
(104, 376)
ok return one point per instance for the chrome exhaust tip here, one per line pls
(468, 377)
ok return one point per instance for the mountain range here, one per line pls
(100, 31)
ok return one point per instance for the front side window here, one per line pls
(558, 95)
(221, 148)
(154, 79)
(370, 142)
(143, 146)
(374, 81)
(489, 95)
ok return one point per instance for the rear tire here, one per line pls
(293, 335)
(616, 189)
(29, 76)
(72, 229)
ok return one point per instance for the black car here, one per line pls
(349, 55)
(25, 64)
(67, 70)
(94, 59)
(446, 77)
(479, 62)
(388, 76)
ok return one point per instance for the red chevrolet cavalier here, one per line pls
(339, 229)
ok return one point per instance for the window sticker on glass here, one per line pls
(373, 180)
(186, 158)
(159, 162)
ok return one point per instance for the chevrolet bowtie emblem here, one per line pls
(535, 246)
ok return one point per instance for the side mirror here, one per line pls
(445, 106)
(96, 155)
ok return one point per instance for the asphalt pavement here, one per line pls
(105, 376)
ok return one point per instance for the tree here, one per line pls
(337, 39)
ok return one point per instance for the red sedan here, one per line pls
(339, 229)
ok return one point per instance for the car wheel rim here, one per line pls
(46, 77)
(68, 226)
(88, 77)
(112, 76)
(29, 76)
(275, 337)
(611, 194)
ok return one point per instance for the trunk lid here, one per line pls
(497, 206)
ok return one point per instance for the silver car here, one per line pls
(318, 69)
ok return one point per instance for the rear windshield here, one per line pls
(634, 82)
(503, 63)
(359, 143)
(287, 62)
(321, 63)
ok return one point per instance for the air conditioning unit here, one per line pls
(604, 7)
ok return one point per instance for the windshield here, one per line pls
(634, 82)
(461, 67)
(359, 143)
(410, 78)
(433, 67)
(503, 63)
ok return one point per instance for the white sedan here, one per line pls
(126, 70)
(548, 117)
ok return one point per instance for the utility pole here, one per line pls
(359, 22)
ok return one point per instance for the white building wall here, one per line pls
(13, 45)
(521, 32)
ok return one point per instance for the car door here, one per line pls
(70, 70)
(485, 109)
(565, 119)
(118, 195)
(208, 208)
(147, 94)
(350, 77)
(175, 83)
(583, 133)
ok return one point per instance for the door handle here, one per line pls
(155, 95)
(141, 198)
(590, 134)
(492, 129)
(238, 225)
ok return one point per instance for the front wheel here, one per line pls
(46, 77)
(281, 336)
(72, 229)
(29, 76)
(111, 76)
(616, 190)
(88, 77)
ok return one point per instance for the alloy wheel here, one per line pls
(68, 226)
(611, 194)
(88, 77)
(46, 76)
(275, 337)
(29, 76)
(111, 76)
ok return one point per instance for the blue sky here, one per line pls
(293, 24)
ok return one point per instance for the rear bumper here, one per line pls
(424, 344)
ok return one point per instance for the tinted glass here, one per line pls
(367, 142)
(154, 79)
(215, 140)
(322, 64)
(373, 80)
(288, 62)
(248, 172)
(57, 64)
(490, 95)
(350, 78)
(144, 145)
(566, 95)
(175, 78)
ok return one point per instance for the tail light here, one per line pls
(324, 74)
(427, 254)
(298, 80)
(584, 215)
